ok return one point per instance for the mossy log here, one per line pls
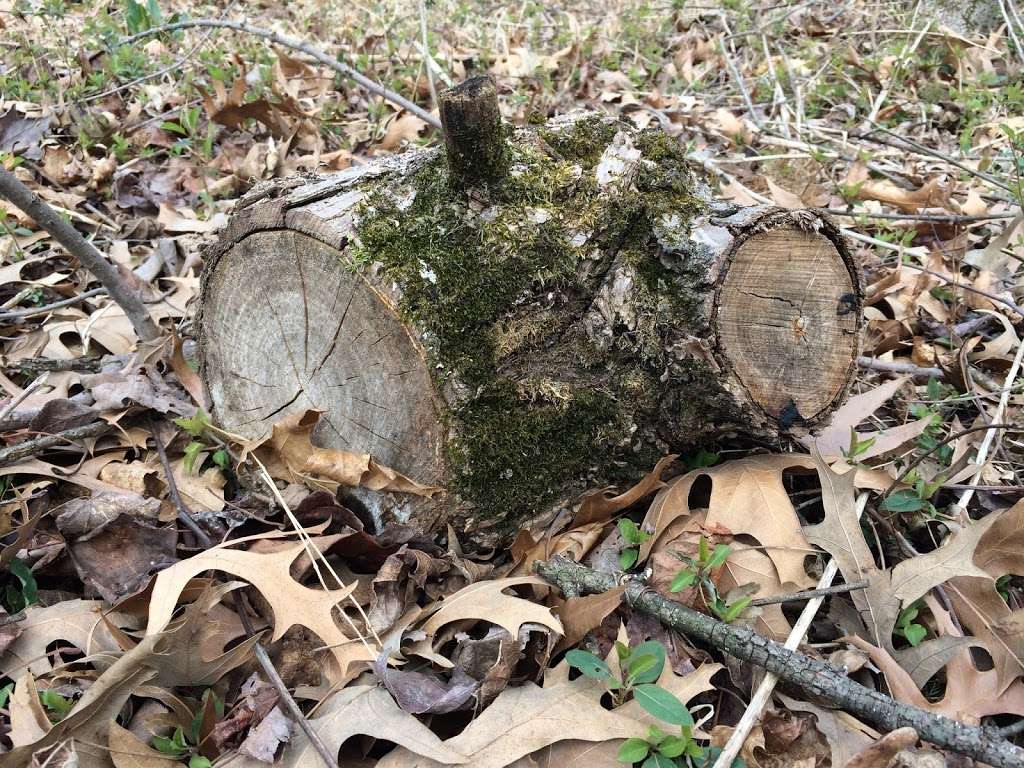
(517, 343)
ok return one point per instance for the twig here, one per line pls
(948, 439)
(952, 218)
(807, 594)
(909, 368)
(184, 513)
(28, 448)
(296, 45)
(982, 456)
(282, 690)
(813, 676)
(89, 364)
(24, 393)
(736, 73)
(47, 218)
(426, 53)
(21, 314)
(764, 691)
(1010, 30)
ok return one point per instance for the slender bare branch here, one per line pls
(43, 214)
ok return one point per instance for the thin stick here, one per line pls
(736, 74)
(948, 439)
(22, 314)
(426, 53)
(296, 45)
(764, 691)
(983, 449)
(23, 450)
(47, 218)
(891, 367)
(811, 675)
(184, 513)
(316, 556)
(952, 218)
(24, 393)
(807, 594)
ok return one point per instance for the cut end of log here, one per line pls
(473, 133)
(788, 318)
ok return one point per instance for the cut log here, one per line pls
(516, 343)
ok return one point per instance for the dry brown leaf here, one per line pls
(486, 600)
(599, 506)
(579, 615)
(362, 710)
(402, 130)
(932, 195)
(845, 734)
(270, 573)
(834, 438)
(747, 496)
(290, 455)
(129, 751)
(78, 622)
(783, 197)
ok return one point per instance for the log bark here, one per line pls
(812, 676)
(518, 342)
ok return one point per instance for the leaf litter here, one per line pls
(417, 653)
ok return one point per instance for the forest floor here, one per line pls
(117, 643)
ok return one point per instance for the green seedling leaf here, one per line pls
(196, 425)
(639, 665)
(221, 458)
(633, 751)
(735, 609)
(914, 634)
(29, 590)
(57, 706)
(628, 558)
(588, 664)
(904, 500)
(673, 746)
(719, 556)
(682, 580)
(5, 694)
(662, 704)
(198, 761)
(192, 451)
(658, 761)
(652, 649)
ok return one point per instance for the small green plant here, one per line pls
(907, 628)
(22, 591)
(182, 742)
(1003, 586)
(698, 572)
(914, 499)
(640, 667)
(5, 694)
(857, 446)
(139, 17)
(700, 459)
(196, 427)
(633, 537)
(57, 706)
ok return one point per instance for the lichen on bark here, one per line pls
(505, 292)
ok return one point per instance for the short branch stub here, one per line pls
(474, 136)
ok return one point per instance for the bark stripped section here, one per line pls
(560, 330)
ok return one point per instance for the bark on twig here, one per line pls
(43, 214)
(23, 450)
(302, 47)
(813, 676)
(807, 594)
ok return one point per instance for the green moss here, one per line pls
(515, 458)
(473, 275)
(584, 141)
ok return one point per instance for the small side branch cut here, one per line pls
(47, 218)
(813, 676)
(474, 137)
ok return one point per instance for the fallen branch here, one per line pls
(815, 677)
(44, 216)
(23, 450)
(302, 47)
(807, 594)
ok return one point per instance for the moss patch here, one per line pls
(498, 286)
